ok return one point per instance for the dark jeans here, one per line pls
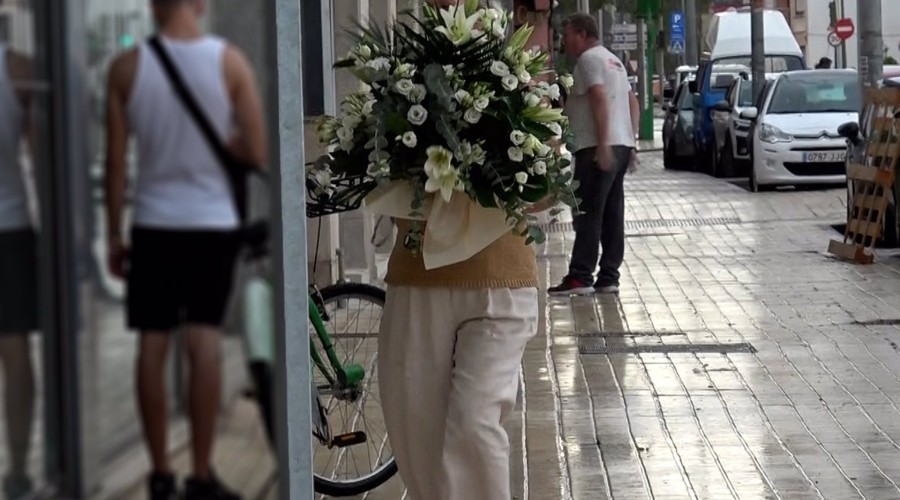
(602, 222)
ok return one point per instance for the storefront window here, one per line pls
(24, 415)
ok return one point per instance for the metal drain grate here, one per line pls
(566, 227)
(594, 347)
(878, 322)
(617, 334)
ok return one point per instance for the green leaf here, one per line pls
(397, 124)
(471, 7)
(445, 127)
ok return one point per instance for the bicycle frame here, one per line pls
(346, 377)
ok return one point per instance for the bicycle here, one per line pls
(342, 384)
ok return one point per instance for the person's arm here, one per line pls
(117, 130)
(635, 112)
(251, 144)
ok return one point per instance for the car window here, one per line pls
(816, 93)
(687, 99)
(746, 98)
(774, 64)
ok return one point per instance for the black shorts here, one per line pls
(18, 282)
(179, 277)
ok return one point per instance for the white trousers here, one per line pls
(448, 375)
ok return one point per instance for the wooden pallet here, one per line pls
(872, 180)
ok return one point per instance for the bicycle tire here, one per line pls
(389, 468)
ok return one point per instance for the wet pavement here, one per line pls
(740, 360)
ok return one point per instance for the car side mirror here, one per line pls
(666, 106)
(722, 106)
(849, 130)
(750, 113)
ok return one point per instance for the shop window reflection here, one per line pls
(20, 455)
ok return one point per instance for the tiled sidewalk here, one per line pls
(739, 362)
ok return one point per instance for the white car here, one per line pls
(794, 138)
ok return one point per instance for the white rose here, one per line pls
(368, 107)
(410, 140)
(417, 94)
(532, 100)
(524, 76)
(482, 103)
(404, 87)
(516, 154)
(472, 116)
(510, 82)
(567, 81)
(554, 92)
(540, 168)
(521, 177)
(499, 68)
(417, 114)
(345, 134)
(517, 137)
(462, 96)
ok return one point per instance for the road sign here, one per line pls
(676, 27)
(676, 46)
(833, 39)
(624, 37)
(844, 28)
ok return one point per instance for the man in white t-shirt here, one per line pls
(603, 114)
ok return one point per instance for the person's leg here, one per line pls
(18, 375)
(586, 247)
(150, 373)
(415, 359)
(203, 345)
(153, 310)
(612, 237)
(487, 358)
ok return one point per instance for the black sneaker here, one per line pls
(208, 489)
(570, 286)
(606, 288)
(162, 487)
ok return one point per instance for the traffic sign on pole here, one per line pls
(844, 28)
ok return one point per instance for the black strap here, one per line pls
(234, 169)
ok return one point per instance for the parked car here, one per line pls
(730, 45)
(794, 138)
(677, 133)
(732, 155)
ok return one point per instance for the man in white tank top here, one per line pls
(18, 272)
(180, 262)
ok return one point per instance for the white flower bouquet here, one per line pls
(451, 108)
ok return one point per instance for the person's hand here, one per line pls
(117, 259)
(633, 162)
(603, 158)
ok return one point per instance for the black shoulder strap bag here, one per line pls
(255, 234)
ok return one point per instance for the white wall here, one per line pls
(817, 34)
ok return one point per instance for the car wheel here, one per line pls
(670, 160)
(726, 167)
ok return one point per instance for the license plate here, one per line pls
(825, 157)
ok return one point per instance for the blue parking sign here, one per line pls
(676, 27)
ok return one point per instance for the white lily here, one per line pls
(457, 27)
(441, 174)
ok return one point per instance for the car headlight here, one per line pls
(771, 134)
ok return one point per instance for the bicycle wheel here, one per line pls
(353, 316)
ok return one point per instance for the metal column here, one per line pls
(690, 33)
(758, 49)
(292, 381)
(871, 44)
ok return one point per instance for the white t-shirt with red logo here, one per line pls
(599, 66)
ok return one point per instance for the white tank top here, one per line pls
(13, 196)
(180, 183)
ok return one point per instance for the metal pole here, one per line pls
(840, 49)
(691, 51)
(292, 381)
(871, 45)
(758, 49)
(645, 75)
